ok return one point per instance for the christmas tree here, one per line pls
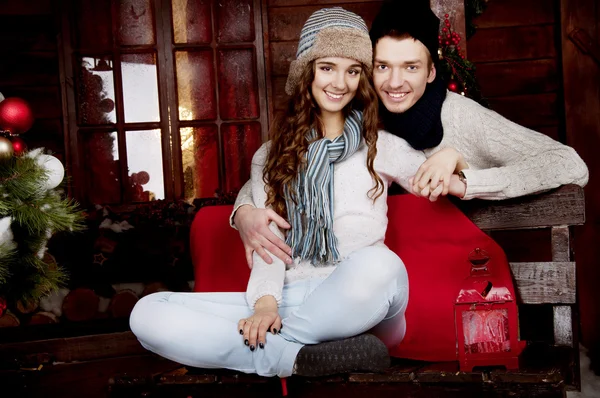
(32, 210)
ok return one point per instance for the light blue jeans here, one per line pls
(366, 292)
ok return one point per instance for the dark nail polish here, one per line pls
(251, 348)
(261, 345)
(269, 330)
(246, 342)
(241, 331)
(274, 331)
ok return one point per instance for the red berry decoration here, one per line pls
(16, 116)
(19, 146)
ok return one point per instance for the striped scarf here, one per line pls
(311, 214)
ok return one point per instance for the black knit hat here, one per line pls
(412, 17)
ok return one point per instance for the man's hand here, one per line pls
(436, 171)
(265, 318)
(253, 225)
(456, 188)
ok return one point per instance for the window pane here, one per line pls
(240, 141)
(238, 88)
(136, 22)
(140, 88)
(200, 158)
(196, 85)
(94, 25)
(144, 159)
(235, 21)
(96, 91)
(101, 162)
(192, 21)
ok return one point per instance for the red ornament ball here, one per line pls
(143, 178)
(453, 86)
(2, 305)
(107, 105)
(19, 146)
(16, 116)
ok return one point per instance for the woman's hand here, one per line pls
(265, 318)
(456, 188)
(433, 177)
(253, 225)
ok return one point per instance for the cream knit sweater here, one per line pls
(505, 160)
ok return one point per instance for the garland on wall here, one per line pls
(456, 69)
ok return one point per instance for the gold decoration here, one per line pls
(6, 149)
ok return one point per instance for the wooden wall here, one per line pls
(516, 52)
(29, 67)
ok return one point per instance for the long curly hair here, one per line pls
(289, 131)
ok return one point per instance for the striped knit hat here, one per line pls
(330, 32)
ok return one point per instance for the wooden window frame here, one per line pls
(164, 49)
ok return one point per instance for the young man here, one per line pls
(503, 159)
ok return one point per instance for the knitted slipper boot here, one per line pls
(363, 353)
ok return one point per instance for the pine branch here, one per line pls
(20, 179)
(473, 9)
(7, 257)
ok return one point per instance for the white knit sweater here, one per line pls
(505, 160)
(358, 222)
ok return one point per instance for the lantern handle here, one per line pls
(479, 259)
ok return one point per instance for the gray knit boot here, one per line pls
(363, 353)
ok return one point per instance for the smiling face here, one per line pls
(401, 72)
(335, 83)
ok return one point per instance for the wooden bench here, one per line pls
(550, 366)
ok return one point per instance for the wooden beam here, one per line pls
(563, 325)
(561, 250)
(72, 349)
(545, 282)
(559, 207)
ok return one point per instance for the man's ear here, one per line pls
(432, 74)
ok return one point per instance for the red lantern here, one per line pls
(486, 318)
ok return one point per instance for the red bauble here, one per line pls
(453, 86)
(2, 306)
(143, 178)
(19, 146)
(16, 116)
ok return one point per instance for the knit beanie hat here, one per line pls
(330, 32)
(411, 17)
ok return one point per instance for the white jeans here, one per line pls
(366, 292)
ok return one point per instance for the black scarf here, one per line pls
(421, 124)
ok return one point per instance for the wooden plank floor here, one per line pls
(115, 365)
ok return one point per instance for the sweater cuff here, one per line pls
(235, 209)
(266, 288)
(485, 184)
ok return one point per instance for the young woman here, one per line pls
(327, 170)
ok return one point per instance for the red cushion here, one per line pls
(433, 239)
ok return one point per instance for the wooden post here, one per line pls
(456, 11)
(581, 82)
(563, 324)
